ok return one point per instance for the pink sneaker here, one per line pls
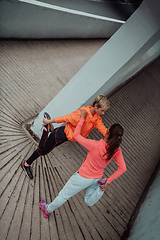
(43, 206)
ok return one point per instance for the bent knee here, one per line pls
(89, 203)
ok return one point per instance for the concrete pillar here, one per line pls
(109, 67)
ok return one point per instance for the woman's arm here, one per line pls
(87, 143)
(72, 118)
(121, 166)
(47, 121)
(101, 127)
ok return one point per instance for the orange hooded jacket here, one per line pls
(91, 122)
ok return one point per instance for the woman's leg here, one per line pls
(46, 144)
(41, 145)
(56, 137)
(33, 157)
(74, 185)
(93, 193)
(43, 138)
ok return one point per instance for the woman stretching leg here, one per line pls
(100, 153)
(65, 133)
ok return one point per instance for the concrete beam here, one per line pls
(108, 68)
(38, 20)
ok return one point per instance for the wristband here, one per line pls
(102, 181)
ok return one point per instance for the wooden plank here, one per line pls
(32, 73)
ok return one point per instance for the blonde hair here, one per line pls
(101, 101)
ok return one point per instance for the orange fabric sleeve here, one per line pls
(72, 118)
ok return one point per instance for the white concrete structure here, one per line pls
(127, 51)
(38, 20)
(146, 225)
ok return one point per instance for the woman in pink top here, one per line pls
(100, 153)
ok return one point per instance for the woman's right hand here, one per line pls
(103, 187)
(45, 121)
(83, 113)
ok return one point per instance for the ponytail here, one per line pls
(114, 140)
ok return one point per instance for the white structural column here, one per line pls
(43, 20)
(127, 51)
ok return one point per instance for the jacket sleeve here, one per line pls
(87, 143)
(101, 127)
(72, 118)
(121, 166)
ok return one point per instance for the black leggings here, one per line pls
(46, 143)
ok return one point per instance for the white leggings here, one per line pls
(74, 185)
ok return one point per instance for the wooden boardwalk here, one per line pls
(32, 73)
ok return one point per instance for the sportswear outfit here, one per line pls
(90, 171)
(65, 133)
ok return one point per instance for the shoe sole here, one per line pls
(46, 115)
(42, 211)
(25, 171)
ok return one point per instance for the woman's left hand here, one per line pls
(83, 113)
(104, 187)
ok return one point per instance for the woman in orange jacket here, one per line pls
(65, 133)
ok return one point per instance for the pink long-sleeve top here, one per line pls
(94, 164)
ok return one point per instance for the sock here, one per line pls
(26, 164)
(45, 129)
(46, 208)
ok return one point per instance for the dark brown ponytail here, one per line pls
(114, 140)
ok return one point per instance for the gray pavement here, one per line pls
(32, 73)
